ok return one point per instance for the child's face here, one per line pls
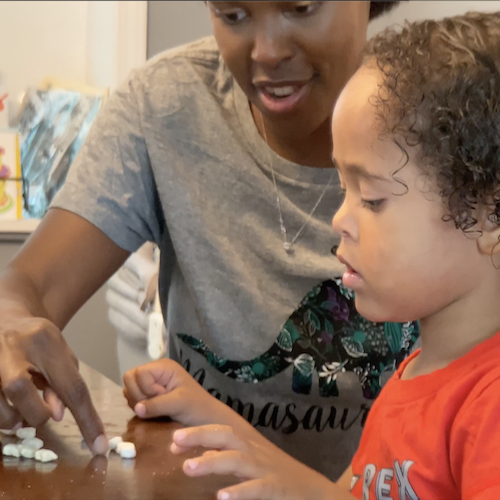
(408, 263)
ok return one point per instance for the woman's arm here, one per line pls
(60, 266)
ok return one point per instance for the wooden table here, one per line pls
(155, 474)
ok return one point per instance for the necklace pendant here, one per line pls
(287, 246)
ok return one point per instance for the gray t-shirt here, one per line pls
(175, 158)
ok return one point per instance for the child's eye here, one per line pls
(373, 205)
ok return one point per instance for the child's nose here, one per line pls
(338, 221)
(343, 222)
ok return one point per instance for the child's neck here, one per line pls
(453, 331)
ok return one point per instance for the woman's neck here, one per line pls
(313, 149)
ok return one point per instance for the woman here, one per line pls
(219, 152)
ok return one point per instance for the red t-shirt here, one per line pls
(437, 436)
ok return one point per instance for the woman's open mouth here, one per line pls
(282, 97)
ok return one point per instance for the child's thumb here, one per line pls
(165, 405)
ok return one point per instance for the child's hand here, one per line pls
(269, 472)
(164, 388)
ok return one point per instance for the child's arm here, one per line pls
(345, 480)
(269, 472)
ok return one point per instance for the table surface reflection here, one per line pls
(155, 474)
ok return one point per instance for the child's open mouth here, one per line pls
(351, 278)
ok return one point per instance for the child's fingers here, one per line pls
(152, 379)
(169, 405)
(131, 390)
(255, 489)
(224, 463)
(178, 450)
(221, 437)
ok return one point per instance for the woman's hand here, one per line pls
(268, 472)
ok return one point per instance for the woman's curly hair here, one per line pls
(440, 91)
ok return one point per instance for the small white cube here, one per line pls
(27, 452)
(11, 450)
(26, 433)
(114, 442)
(33, 443)
(126, 450)
(44, 455)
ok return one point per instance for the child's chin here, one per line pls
(377, 312)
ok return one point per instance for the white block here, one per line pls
(33, 443)
(126, 450)
(114, 442)
(45, 455)
(27, 452)
(26, 433)
(11, 450)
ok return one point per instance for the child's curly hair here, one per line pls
(440, 91)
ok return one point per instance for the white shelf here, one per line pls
(23, 226)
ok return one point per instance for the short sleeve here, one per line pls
(111, 183)
(475, 446)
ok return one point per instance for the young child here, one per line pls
(417, 145)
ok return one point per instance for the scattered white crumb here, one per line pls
(26, 433)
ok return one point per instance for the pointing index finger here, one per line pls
(68, 384)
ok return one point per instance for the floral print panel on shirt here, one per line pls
(324, 335)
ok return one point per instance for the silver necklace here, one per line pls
(287, 245)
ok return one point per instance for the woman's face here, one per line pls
(291, 59)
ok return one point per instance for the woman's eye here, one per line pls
(373, 205)
(232, 16)
(304, 8)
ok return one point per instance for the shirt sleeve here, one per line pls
(111, 182)
(475, 446)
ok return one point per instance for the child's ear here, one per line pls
(488, 242)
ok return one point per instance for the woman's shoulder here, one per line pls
(198, 64)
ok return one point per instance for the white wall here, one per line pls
(93, 42)
(175, 23)
(38, 39)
